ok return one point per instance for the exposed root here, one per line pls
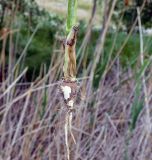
(66, 136)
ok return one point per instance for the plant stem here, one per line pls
(71, 14)
(146, 96)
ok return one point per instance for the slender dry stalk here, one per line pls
(86, 39)
(148, 125)
(146, 96)
(101, 41)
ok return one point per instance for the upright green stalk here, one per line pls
(71, 14)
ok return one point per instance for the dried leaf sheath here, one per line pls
(69, 67)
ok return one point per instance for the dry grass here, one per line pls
(100, 125)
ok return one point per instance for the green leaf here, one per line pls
(138, 103)
(44, 104)
(137, 107)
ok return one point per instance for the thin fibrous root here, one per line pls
(68, 129)
(66, 136)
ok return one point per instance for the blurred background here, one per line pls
(114, 103)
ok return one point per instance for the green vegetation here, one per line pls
(40, 50)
